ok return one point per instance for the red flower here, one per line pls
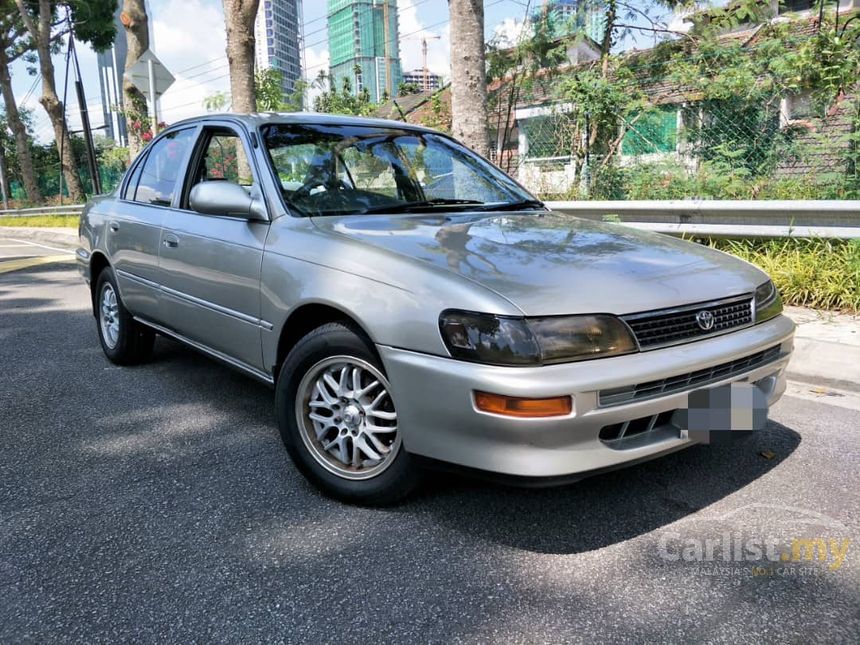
(146, 136)
(136, 125)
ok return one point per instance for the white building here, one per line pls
(416, 76)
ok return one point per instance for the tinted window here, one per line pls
(335, 170)
(162, 167)
(132, 182)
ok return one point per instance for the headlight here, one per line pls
(767, 302)
(500, 340)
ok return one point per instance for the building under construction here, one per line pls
(363, 43)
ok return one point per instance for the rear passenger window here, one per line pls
(162, 167)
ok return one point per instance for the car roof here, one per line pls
(255, 120)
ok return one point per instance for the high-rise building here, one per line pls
(576, 17)
(111, 63)
(278, 44)
(364, 45)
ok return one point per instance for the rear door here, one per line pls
(210, 264)
(133, 231)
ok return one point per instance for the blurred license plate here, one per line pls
(719, 412)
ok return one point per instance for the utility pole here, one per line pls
(85, 121)
(4, 178)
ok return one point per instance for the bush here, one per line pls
(819, 273)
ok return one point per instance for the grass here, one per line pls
(818, 273)
(42, 221)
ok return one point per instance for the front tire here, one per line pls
(124, 340)
(337, 418)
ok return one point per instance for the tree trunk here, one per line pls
(468, 74)
(41, 34)
(19, 131)
(240, 16)
(136, 25)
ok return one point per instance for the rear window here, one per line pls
(160, 170)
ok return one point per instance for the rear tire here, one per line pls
(351, 447)
(124, 340)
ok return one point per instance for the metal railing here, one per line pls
(71, 210)
(696, 218)
(727, 218)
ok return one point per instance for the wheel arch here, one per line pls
(307, 317)
(98, 263)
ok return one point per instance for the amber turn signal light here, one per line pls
(511, 406)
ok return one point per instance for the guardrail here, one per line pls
(728, 218)
(695, 218)
(71, 209)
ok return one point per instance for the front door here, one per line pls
(209, 264)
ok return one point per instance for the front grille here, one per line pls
(651, 389)
(671, 326)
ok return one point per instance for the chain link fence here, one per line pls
(715, 149)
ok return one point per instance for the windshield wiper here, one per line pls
(413, 206)
(514, 206)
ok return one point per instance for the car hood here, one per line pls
(548, 263)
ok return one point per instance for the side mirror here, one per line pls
(226, 198)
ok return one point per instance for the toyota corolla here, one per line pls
(411, 304)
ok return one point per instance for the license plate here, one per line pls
(722, 412)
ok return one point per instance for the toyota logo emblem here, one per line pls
(705, 320)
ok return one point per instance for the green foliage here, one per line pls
(405, 89)
(819, 273)
(270, 90)
(217, 102)
(734, 143)
(93, 21)
(342, 100)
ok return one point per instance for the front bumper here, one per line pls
(438, 418)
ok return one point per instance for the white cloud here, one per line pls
(190, 40)
(316, 61)
(509, 31)
(412, 31)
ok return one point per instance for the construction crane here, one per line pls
(425, 72)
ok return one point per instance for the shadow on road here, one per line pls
(608, 508)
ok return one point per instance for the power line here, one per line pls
(412, 33)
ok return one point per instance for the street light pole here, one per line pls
(150, 67)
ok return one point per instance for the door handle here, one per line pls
(114, 226)
(170, 241)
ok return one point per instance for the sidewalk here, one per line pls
(826, 348)
(63, 238)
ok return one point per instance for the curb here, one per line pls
(825, 364)
(62, 238)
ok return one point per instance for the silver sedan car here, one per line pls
(413, 305)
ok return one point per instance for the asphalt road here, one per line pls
(156, 503)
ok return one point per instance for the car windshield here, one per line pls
(350, 169)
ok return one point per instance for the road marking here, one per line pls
(41, 246)
(26, 263)
(14, 246)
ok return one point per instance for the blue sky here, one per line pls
(190, 40)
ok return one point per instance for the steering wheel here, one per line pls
(304, 191)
